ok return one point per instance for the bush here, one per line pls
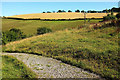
(112, 17)
(43, 30)
(12, 35)
(118, 15)
(109, 17)
(106, 18)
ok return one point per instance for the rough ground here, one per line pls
(50, 68)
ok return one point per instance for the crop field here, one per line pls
(29, 27)
(95, 50)
(69, 15)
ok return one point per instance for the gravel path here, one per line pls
(50, 68)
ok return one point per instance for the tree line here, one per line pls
(89, 11)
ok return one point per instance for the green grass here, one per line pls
(29, 27)
(93, 50)
(0, 67)
(12, 68)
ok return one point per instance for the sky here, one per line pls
(17, 8)
(60, 0)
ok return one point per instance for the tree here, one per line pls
(115, 9)
(77, 10)
(59, 11)
(99, 11)
(107, 11)
(112, 13)
(63, 11)
(93, 11)
(104, 11)
(53, 11)
(48, 12)
(89, 11)
(69, 11)
(82, 11)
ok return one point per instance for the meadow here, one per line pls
(95, 50)
(12, 68)
(29, 27)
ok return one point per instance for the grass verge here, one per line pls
(12, 68)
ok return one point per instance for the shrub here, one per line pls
(106, 18)
(118, 15)
(12, 35)
(109, 17)
(112, 17)
(43, 30)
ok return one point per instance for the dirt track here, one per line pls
(51, 68)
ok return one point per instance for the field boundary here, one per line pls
(51, 19)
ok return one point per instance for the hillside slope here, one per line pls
(95, 50)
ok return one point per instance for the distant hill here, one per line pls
(68, 15)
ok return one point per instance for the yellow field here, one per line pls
(70, 15)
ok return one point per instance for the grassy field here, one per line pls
(29, 27)
(95, 50)
(0, 67)
(12, 68)
(66, 15)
